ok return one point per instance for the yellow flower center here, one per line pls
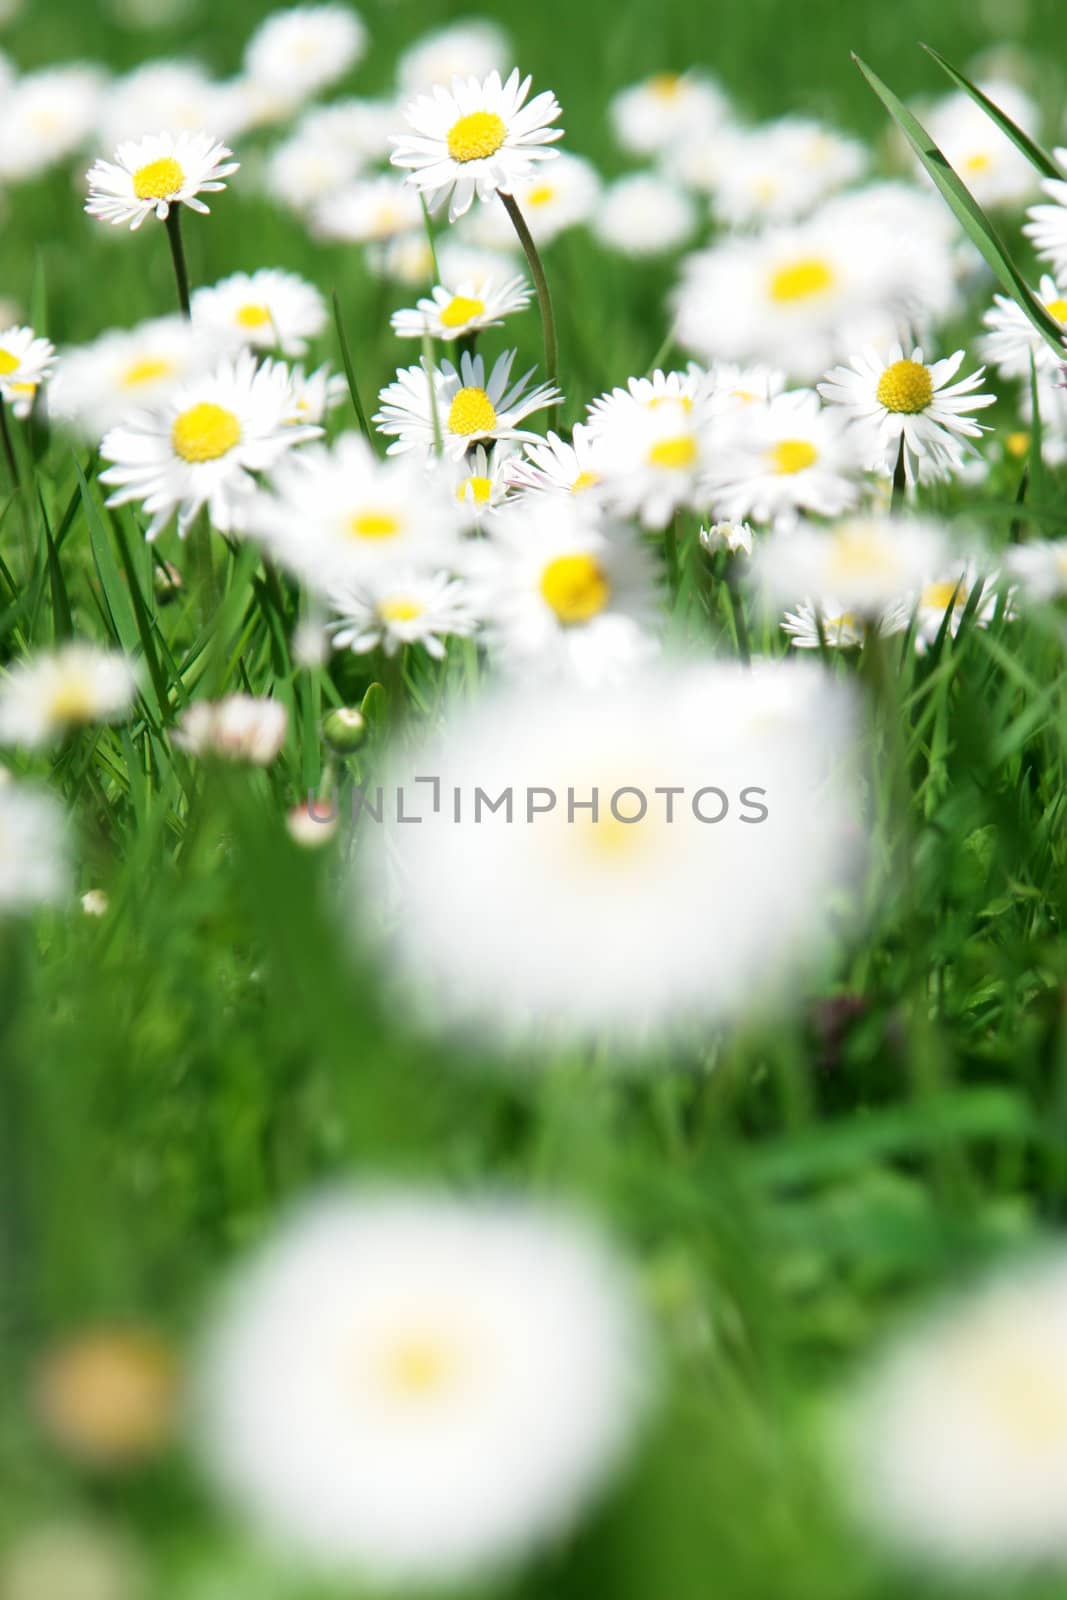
(476, 136)
(792, 455)
(906, 387)
(417, 1367)
(665, 85)
(479, 487)
(399, 609)
(1017, 444)
(147, 370)
(857, 555)
(575, 587)
(72, 701)
(980, 161)
(684, 401)
(939, 596)
(8, 363)
(158, 180)
(584, 480)
(1058, 309)
(471, 413)
(205, 432)
(542, 194)
(374, 525)
(801, 280)
(253, 316)
(675, 453)
(460, 310)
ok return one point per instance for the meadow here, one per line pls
(204, 1026)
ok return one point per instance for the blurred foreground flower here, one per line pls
(71, 1561)
(238, 728)
(416, 1388)
(108, 1396)
(45, 696)
(34, 866)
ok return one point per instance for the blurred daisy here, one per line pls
(730, 387)
(47, 695)
(79, 1560)
(313, 396)
(98, 384)
(653, 460)
(898, 402)
(644, 215)
(452, 314)
(733, 537)
(556, 466)
(867, 563)
(551, 201)
(1046, 227)
(305, 170)
(942, 602)
(389, 610)
(563, 595)
(484, 480)
(358, 127)
(108, 1396)
(737, 881)
(295, 53)
(466, 263)
(371, 209)
(468, 49)
(240, 727)
(407, 260)
(385, 1336)
(475, 139)
(267, 309)
(176, 95)
(45, 117)
(994, 170)
(781, 171)
(470, 407)
(790, 455)
(1040, 568)
(336, 512)
(25, 363)
(956, 1437)
(829, 625)
(34, 862)
(202, 447)
(155, 173)
(667, 110)
(1012, 338)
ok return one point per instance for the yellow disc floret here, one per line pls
(158, 180)
(675, 453)
(476, 136)
(147, 370)
(8, 363)
(253, 316)
(471, 413)
(478, 487)
(417, 1368)
(939, 596)
(792, 455)
(460, 310)
(576, 587)
(205, 432)
(72, 701)
(374, 525)
(584, 480)
(906, 387)
(801, 280)
(400, 608)
(1058, 309)
(542, 194)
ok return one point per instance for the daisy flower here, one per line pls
(295, 53)
(733, 537)
(774, 460)
(994, 170)
(666, 111)
(461, 262)
(406, 260)
(335, 512)
(177, 95)
(34, 859)
(359, 127)
(267, 309)
(154, 173)
(828, 624)
(386, 1335)
(389, 610)
(45, 117)
(470, 406)
(314, 395)
(867, 563)
(484, 480)
(552, 200)
(948, 594)
(898, 402)
(452, 314)
(653, 460)
(239, 727)
(25, 363)
(369, 210)
(108, 1396)
(1047, 225)
(730, 387)
(304, 170)
(598, 855)
(61, 1557)
(563, 595)
(644, 214)
(472, 48)
(97, 384)
(555, 466)
(779, 172)
(1012, 338)
(44, 697)
(475, 139)
(1040, 568)
(203, 446)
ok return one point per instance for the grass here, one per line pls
(172, 1074)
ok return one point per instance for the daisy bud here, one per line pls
(312, 824)
(344, 730)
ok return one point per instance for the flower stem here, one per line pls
(177, 252)
(544, 298)
(900, 482)
(9, 449)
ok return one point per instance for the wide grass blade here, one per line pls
(1035, 153)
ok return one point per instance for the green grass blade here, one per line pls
(1035, 153)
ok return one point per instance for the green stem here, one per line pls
(177, 252)
(670, 548)
(350, 371)
(9, 449)
(544, 297)
(737, 611)
(900, 482)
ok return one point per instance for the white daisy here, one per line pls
(899, 401)
(828, 624)
(454, 313)
(470, 407)
(25, 363)
(475, 139)
(564, 595)
(336, 512)
(389, 610)
(240, 727)
(1047, 225)
(484, 480)
(733, 537)
(483, 1361)
(295, 53)
(644, 214)
(780, 171)
(470, 49)
(304, 170)
(45, 117)
(34, 854)
(85, 1560)
(652, 459)
(369, 210)
(666, 111)
(774, 460)
(994, 170)
(314, 395)
(1012, 338)
(202, 447)
(614, 830)
(552, 200)
(177, 95)
(97, 384)
(154, 173)
(556, 466)
(730, 387)
(44, 697)
(942, 601)
(267, 309)
(407, 259)
(1040, 568)
(867, 563)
